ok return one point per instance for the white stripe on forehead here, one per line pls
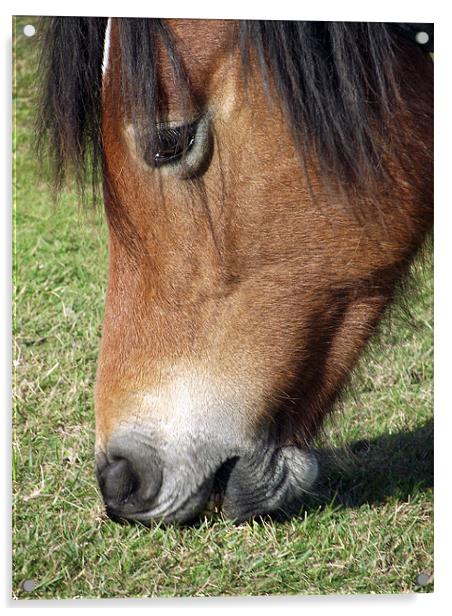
(106, 47)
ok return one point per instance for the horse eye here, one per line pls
(173, 143)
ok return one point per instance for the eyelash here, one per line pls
(173, 143)
(183, 150)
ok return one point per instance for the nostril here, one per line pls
(118, 481)
(129, 476)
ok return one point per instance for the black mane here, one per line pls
(337, 84)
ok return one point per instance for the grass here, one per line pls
(369, 527)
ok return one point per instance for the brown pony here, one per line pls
(266, 186)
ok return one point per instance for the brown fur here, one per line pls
(264, 279)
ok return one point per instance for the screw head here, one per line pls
(422, 38)
(29, 30)
(422, 579)
(29, 585)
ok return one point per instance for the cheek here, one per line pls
(178, 370)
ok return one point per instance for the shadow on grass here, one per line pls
(370, 471)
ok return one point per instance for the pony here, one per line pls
(266, 186)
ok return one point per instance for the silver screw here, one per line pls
(422, 579)
(29, 585)
(29, 30)
(422, 38)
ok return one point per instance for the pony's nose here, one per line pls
(128, 487)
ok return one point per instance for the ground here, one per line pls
(368, 528)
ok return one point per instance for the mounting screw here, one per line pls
(29, 30)
(422, 38)
(422, 579)
(29, 585)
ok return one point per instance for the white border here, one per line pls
(331, 10)
(380, 10)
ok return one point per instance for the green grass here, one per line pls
(369, 527)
